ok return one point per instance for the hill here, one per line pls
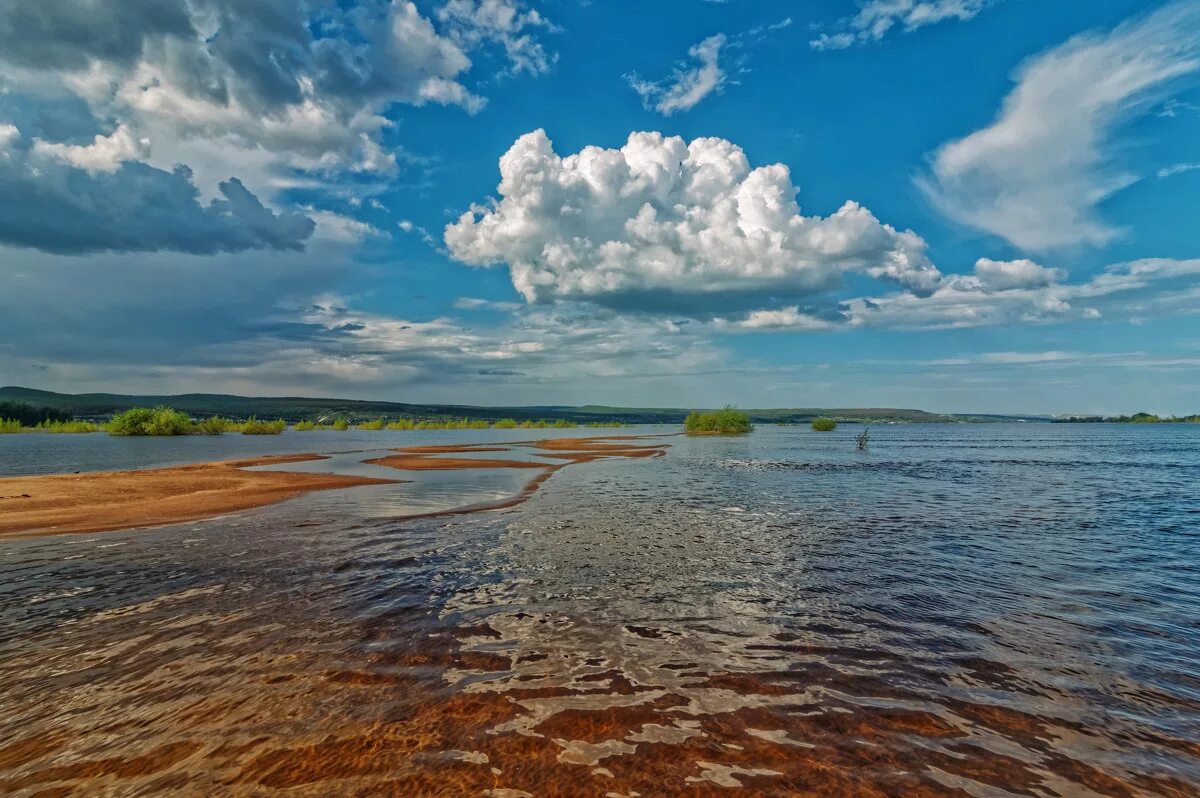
(295, 408)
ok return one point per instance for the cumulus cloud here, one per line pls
(875, 18)
(1000, 293)
(1036, 175)
(1001, 275)
(126, 206)
(104, 154)
(667, 225)
(689, 84)
(508, 23)
(304, 85)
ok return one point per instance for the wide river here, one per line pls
(982, 610)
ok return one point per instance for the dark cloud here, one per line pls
(54, 207)
(69, 34)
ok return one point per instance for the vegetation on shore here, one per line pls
(97, 406)
(726, 421)
(824, 424)
(152, 421)
(1136, 418)
(304, 426)
(254, 426)
(12, 425)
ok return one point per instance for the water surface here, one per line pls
(985, 610)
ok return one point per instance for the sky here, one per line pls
(952, 205)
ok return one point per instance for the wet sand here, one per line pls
(104, 501)
(60, 504)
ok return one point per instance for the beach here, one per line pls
(110, 500)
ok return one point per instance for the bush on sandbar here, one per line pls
(823, 424)
(726, 421)
(255, 426)
(151, 421)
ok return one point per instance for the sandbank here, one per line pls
(59, 504)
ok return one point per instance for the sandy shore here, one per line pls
(59, 504)
(102, 501)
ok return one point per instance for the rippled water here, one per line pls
(988, 610)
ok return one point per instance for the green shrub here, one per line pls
(151, 421)
(10, 425)
(374, 424)
(253, 426)
(70, 427)
(304, 426)
(215, 425)
(402, 424)
(563, 423)
(823, 424)
(506, 423)
(726, 421)
(341, 425)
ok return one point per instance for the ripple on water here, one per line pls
(959, 614)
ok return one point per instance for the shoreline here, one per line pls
(107, 501)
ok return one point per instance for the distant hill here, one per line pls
(295, 408)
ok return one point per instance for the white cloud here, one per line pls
(875, 18)
(997, 275)
(1003, 293)
(1036, 175)
(472, 303)
(663, 224)
(249, 81)
(688, 85)
(508, 23)
(339, 228)
(104, 154)
(791, 319)
(1177, 169)
(1036, 295)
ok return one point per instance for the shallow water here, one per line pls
(987, 610)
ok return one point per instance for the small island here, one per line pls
(824, 424)
(726, 421)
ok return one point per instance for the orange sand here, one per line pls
(107, 500)
(58, 504)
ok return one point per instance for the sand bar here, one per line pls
(107, 500)
(101, 501)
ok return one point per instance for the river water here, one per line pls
(983, 610)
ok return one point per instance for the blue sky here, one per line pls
(958, 205)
